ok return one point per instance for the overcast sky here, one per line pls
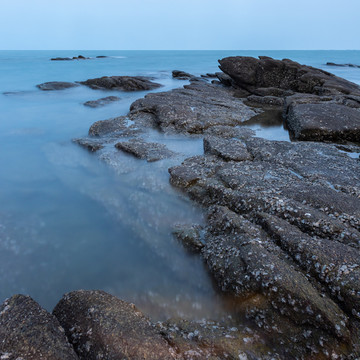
(179, 24)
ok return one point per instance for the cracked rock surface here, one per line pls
(283, 222)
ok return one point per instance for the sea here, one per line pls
(69, 220)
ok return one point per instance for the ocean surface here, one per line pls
(69, 221)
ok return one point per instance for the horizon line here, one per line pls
(179, 49)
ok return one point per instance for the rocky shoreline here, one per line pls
(282, 232)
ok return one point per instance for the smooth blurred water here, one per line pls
(67, 219)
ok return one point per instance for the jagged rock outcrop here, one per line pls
(284, 223)
(251, 73)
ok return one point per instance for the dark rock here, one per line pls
(101, 326)
(326, 121)
(230, 132)
(224, 78)
(286, 228)
(190, 237)
(61, 59)
(181, 75)
(90, 144)
(56, 85)
(145, 150)
(266, 100)
(101, 102)
(79, 57)
(124, 83)
(193, 109)
(27, 331)
(101, 57)
(250, 74)
(214, 340)
(342, 65)
(104, 127)
(227, 149)
(209, 76)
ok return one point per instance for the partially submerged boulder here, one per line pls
(101, 326)
(181, 75)
(145, 150)
(101, 102)
(29, 332)
(56, 85)
(124, 83)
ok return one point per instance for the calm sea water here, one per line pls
(69, 221)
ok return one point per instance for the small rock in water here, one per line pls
(145, 150)
(181, 75)
(56, 85)
(101, 102)
(124, 83)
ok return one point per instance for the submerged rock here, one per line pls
(110, 126)
(190, 237)
(79, 57)
(145, 150)
(124, 83)
(101, 326)
(56, 85)
(90, 144)
(27, 331)
(342, 65)
(101, 102)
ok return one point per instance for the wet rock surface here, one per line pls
(284, 224)
(193, 109)
(318, 106)
(283, 228)
(124, 83)
(56, 85)
(101, 326)
(214, 340)
(342, 65)
(29, 332)
(190, 236)
(145, 150)
(334, 119)
(101, 102)
(181, 75)
(79, 57)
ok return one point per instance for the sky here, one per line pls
(179, 24)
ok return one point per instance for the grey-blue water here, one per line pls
(70, 221)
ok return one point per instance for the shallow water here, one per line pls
(67, 219)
